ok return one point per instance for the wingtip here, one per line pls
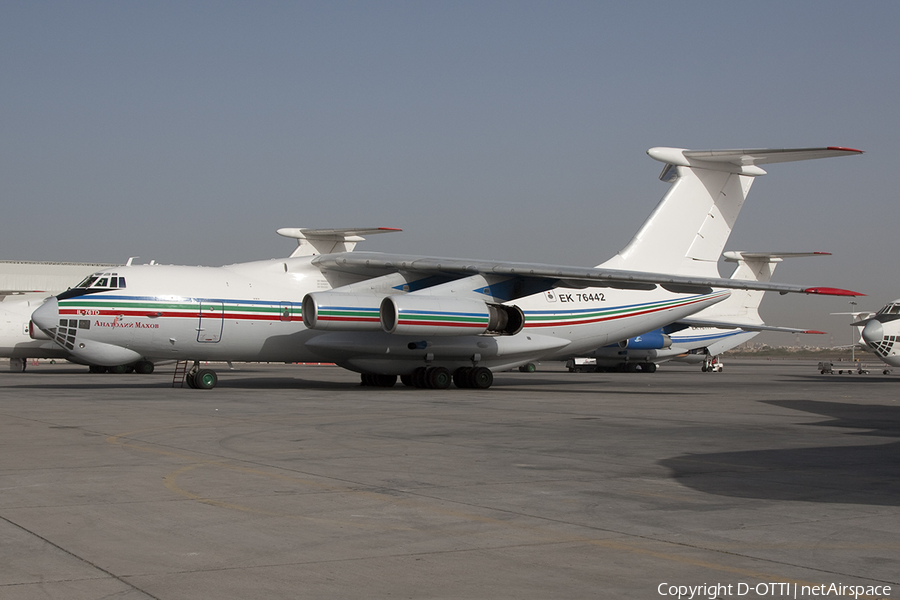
(845, 149)
(827, 291)
(814, 331)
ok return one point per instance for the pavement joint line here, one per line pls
(394, 500)
(108, 573)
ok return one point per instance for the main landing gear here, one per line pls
(436, 378)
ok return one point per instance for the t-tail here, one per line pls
(743, 305)
(687, 231)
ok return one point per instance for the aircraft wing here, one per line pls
(745, 326)
(372, 264)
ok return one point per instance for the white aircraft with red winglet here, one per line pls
(699, 338)
(428, 320)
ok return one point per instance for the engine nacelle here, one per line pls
(654, 340)
(333, 311)
(437, 315)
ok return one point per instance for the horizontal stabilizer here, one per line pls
(744, 162)
(766, 156)
(325, 241)
(734, 256)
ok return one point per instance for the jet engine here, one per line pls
(436, 315)
(334, 311)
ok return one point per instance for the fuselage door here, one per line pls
(212, 317)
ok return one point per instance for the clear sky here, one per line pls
(188, 132)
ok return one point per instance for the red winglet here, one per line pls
(827, 291)
(814, 331)
(843, 149)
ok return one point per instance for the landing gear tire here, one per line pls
(205, 379)
(406, 380)
(118, 369)
(480, 378)
(378, 380)
(96, 369)
(419, 377)
(143, 367)
(189, 379)
(461, 377)
(438, 378)
(649, 368)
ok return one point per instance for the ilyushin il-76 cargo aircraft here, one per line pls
(431, 321)
(881, 333)
(700, 337)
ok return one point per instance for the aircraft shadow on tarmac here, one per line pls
(513, 383)
(864, 474)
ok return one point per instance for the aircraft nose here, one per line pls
(873, 333)
(46, 317)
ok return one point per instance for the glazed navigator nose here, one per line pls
(873, 333)
(46, 317)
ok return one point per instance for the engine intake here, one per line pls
(435, 315)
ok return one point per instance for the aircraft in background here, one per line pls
(25, 285)
(881, 333)
(428, 320)
(700, 338)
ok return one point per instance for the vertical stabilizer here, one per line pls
(687, 231)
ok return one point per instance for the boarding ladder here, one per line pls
(181, 369)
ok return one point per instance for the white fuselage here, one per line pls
(882, 334)
(252, 312)
(16, 339)
(691, 345)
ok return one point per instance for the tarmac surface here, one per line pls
(290, 481)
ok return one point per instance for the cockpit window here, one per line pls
(109, 281)
(890, 309)
(102, 281)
